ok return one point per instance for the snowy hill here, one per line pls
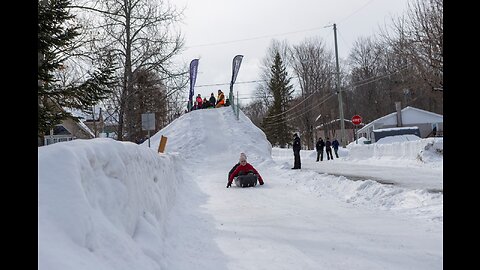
(214, 133)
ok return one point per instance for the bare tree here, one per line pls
(399, 67)
(313, 65)
(256, 111)
(143, 37)
(419, 36)
(149, 97)
(364, 59)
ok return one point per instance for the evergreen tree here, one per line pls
(56, 41)
(275, 124)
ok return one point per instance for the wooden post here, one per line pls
(163, 143)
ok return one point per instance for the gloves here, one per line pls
(229, 184)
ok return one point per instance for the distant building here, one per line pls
(96, 124)
(100, 126)
(67, 130)
(428, 123)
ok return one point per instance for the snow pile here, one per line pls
(397, 148)
(103, 203)
(210, 132)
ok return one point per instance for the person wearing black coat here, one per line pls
(212, 100)
(319, 146)
(296, 152)
(328, 149)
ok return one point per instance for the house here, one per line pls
(428, 123)
(102, 127)
(96, 125)
(67, 130)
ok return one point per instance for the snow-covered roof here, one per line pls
(410, 116)
(395, 128)
(84, 127)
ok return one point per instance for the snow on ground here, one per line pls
(104, 204)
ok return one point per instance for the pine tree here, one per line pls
(56, 39)
(275, 124)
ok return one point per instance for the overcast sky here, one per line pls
(110, 205)
(217, 30)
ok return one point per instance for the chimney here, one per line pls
(398, 107)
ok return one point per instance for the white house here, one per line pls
(428, 123)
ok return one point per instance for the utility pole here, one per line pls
(339, 91)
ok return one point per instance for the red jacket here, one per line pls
(199, 101)
(245, 168)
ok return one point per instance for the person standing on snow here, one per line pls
(319, 146)
(243, 168)
(297, 164)
(328, 149)
(335, 145)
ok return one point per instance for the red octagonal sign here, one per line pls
(356, 119)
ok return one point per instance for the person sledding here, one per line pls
(243, 168)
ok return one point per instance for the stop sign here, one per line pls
(356, 119)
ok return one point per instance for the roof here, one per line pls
(85, 128)
(394, 128)
(80, 124)
(410, 116)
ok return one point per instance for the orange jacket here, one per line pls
(221, 99)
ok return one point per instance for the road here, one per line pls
(404, 174)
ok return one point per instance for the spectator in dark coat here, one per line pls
(319, 146)
(205, 103)
(328, 149)
(297, 164)
(335, 145)
(212, 100)
(243, 168)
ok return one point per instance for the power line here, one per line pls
(360, 8)
(255, 38)
(278, 34)
(218, 84)
(305, 99)
(292, 117)
(374, 79)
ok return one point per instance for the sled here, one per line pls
(247, 180)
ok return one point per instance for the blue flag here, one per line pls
(237, 61)
(193, 78)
